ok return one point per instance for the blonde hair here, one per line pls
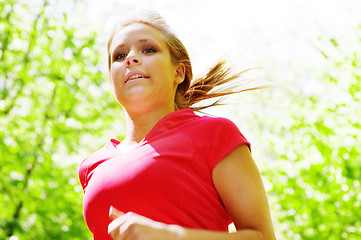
(212, 85)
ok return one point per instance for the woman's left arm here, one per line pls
(239, 185)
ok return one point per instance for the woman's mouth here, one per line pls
(135, 75)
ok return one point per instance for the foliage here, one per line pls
(314, 139)
(52, 102)
(54, 106)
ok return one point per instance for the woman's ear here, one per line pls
(180, 73)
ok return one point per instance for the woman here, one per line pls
(176, 175)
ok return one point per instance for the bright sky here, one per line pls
(250, 31)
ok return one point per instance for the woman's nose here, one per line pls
(133, 58)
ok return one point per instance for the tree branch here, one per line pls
(31, 167)
(26, 58)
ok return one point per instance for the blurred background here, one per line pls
(56, 106)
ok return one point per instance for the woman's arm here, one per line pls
(240, 187)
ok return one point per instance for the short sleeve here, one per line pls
(218, 137)
(227, 138)
(89, 164)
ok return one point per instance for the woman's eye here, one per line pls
(150, 50)
(120, 56)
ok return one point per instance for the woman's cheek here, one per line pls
(117, 74)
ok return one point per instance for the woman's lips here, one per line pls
(133, 75)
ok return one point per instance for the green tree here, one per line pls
(313, 139)
(53, 106)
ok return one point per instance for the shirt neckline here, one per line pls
(187, 112)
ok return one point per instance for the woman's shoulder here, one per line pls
(211, 129)
(214, 137)
(94, 159)
(211, 124)
(109, 146)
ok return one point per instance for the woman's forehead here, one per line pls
(136, 32)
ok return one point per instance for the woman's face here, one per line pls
(141, 67)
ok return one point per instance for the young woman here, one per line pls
(176, 175)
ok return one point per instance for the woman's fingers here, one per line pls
(113, 227)
(114, 213)
(134, 226)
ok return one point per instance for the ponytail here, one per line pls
(219, 81)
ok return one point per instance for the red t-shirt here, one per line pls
(167, 178)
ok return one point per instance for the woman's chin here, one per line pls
(134, 96)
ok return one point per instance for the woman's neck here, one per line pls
(140, 123)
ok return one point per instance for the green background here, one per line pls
(56, 107)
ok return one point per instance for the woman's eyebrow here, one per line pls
(117, 47)
(140, 40)
(143, 40)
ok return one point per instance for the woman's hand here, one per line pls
(131, 226)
